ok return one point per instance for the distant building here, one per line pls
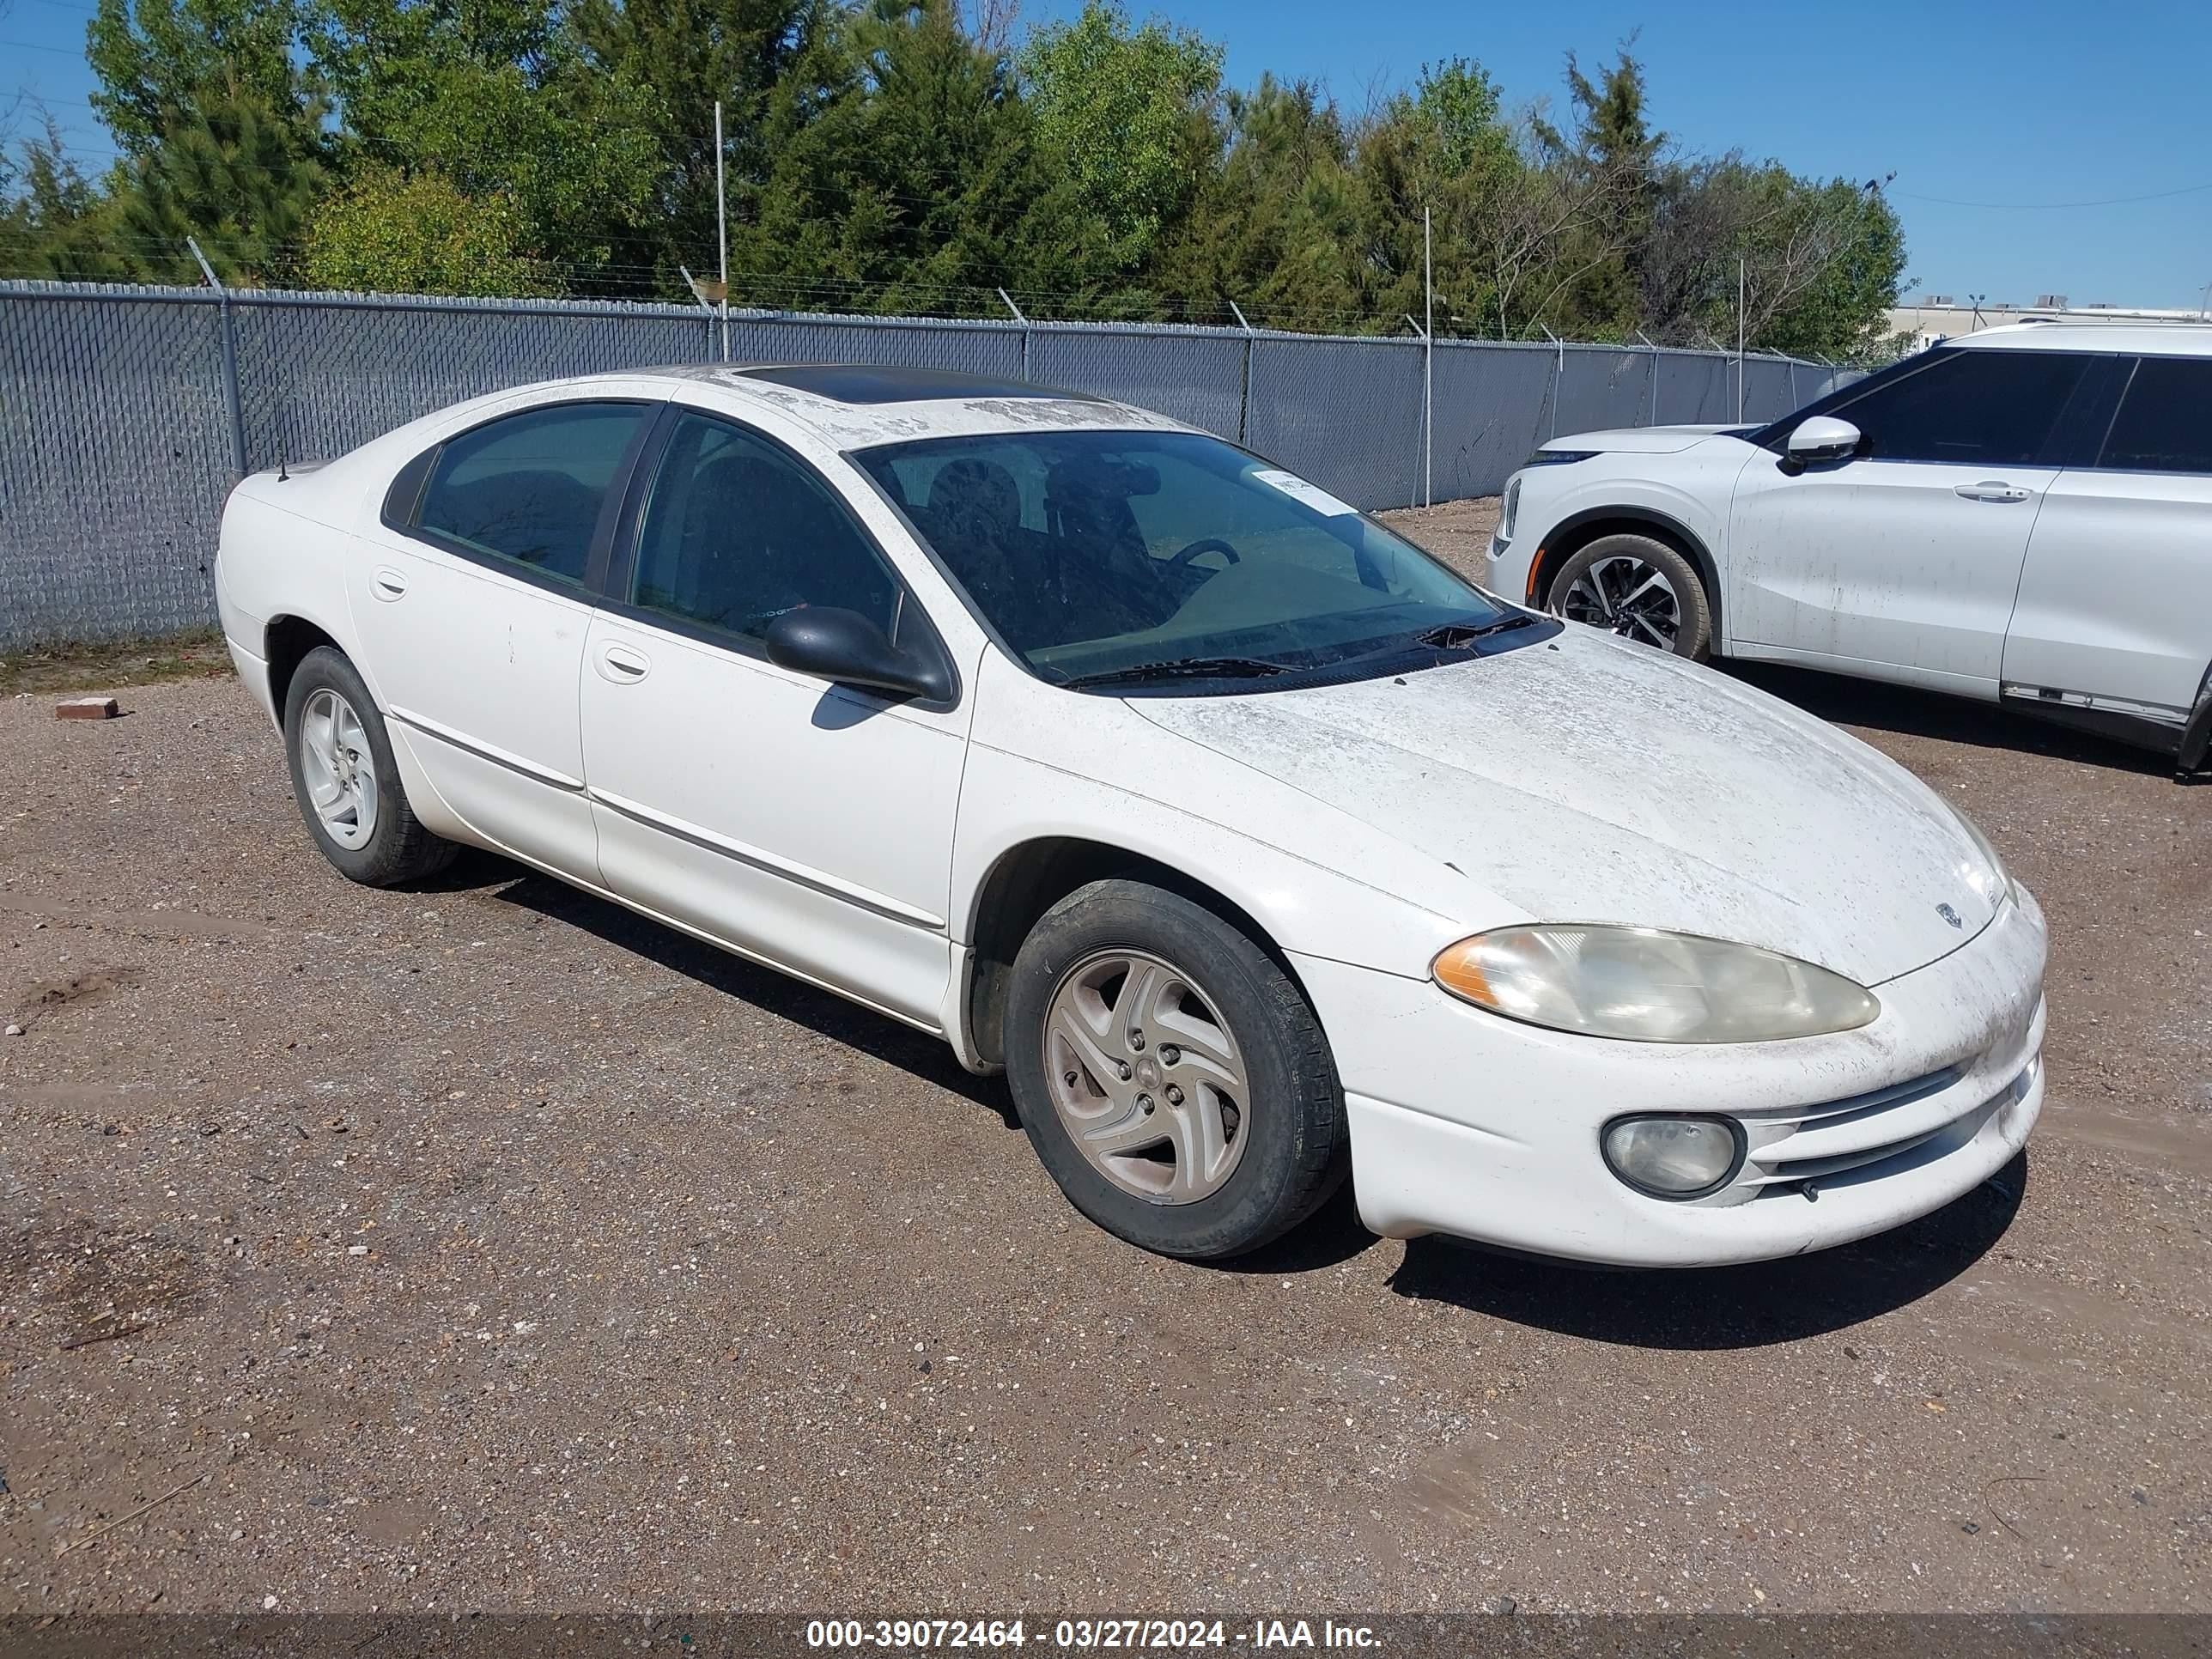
(1940, 317)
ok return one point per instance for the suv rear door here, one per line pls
(1901, 562)
(2116, 600)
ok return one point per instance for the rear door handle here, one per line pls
(621, 665)
(387, 583)
(1990, 490)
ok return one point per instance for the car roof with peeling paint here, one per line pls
(854, 405)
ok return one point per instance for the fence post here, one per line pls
(231, 403)
(1559, 374)
(706, 338)
(1649, 341)
(1024, 322)
(1245, 388)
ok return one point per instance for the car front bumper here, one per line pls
(1467, 1123)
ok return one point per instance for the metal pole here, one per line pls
(722, 228)
(1024, 322)
(1559, 373)
(1739, 339)
(1244, 389)
(1428, 360)
(1647, 340)
(230, 399)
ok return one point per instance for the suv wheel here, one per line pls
(1170, 1075)
(1639, 588)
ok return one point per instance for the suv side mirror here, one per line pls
(844, 647)
(1822, 438)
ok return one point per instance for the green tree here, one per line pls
(774, 66)
(56, 222)
(232, 174)
(388, 232)
(157, 60)
(500, 97)
(1128, 115)
(1273, 223)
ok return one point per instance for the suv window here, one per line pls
(527, 488)
(1986, 408)
(2165, 423)
(736, 533)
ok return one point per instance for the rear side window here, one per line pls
(2164, 421)
(528, 489)
(1987, 408)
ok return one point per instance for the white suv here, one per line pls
(2024, 515)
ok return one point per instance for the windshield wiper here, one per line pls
(1187, 668)
(1449, 636)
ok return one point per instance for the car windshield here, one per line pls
(1130, 557)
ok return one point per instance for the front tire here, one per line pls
(346, 781)
(1170, 1075)
(1639, 588)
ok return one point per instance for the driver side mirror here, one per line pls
(1822, 438)
(846, 649)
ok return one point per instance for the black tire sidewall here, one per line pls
(383, 858)
(1297, 1154)
(1695, 640)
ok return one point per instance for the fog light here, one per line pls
(1673, 1156)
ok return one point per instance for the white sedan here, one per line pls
(1255, 845)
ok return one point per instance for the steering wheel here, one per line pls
(1205, 545)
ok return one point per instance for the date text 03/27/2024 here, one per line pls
(1086, 1634)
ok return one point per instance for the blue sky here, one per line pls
(2022, 105)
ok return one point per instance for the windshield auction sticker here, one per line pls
(1298, 490)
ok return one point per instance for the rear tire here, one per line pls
(1639, 588)
(1170, 1075)
(346, 781)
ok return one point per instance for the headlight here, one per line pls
(1644, 985)
(1512, 509)
(1993, 884)
(1558, 457)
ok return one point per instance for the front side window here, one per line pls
(2164, 421)
(1974, 408)
(736, 533)
(1102, 555)
(527, 488)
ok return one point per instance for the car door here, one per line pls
(2116, 601)
(805, 823)
(1901, 562)
(472, 606)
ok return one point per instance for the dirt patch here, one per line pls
(72, 1282)
(86, 989)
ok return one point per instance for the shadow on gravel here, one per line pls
(1705, 1307)
(916, 1052)
(1913, 714)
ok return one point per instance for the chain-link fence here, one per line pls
(127, 413)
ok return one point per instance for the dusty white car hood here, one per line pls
(1640, 440)
(1591, 780)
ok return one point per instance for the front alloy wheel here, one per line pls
(1638, 588)
(1148, 1083)
(1171, 1073)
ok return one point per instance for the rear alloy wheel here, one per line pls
(346, 780)
(1170, 1073)
(1640, 589)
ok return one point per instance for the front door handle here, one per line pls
(1990, 490)
(621, 665)
(387, 583)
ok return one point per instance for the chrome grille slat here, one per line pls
(1891, 1128)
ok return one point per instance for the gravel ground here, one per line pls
(486, 1247)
